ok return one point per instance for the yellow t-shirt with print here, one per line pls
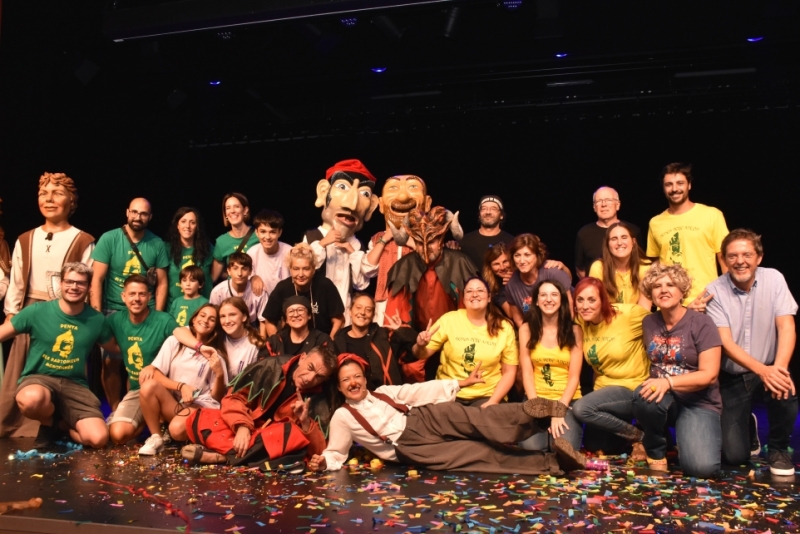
(551, 372)
(626, 293)
(691, 239)
(463, 345)
(615, 351)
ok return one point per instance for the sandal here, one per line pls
(638, 454)
(657, 465)
(193, 453)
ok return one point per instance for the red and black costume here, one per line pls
(384, 349)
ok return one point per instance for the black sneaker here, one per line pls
(46, 437)
(755, 443)
(780, 463)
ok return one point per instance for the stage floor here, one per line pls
(224, 499)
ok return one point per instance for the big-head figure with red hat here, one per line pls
(347, 200)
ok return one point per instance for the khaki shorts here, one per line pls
(73, 401)
(129, 410)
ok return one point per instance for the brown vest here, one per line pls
(74, 253)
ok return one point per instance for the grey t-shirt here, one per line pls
(518, 293)
(676, 352)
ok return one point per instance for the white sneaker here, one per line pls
(152, 445)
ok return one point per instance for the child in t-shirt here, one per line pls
(192, 281)
(240, 266)
(269, 259)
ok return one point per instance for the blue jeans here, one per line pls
(541, 440)
(609, 409)
(737, 393)
(697, 431)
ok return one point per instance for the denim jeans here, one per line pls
(609, 409)
(541, 440)
(737, 393)
(697, 431)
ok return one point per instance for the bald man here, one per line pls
(131, 249)
(589, 244)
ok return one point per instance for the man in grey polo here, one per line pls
(754, 312)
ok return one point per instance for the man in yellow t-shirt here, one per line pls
(687, 233)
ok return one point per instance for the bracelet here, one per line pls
(198, 346)
(669, 379)
(381, 241)
(180, 385)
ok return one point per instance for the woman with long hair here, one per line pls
(612, 346)
(182, 379)
(684, 347)
(550, 347)
(236, 215)
(623, 266)
(188, 245)
(476, 336)
(528, 255)
(497, 272)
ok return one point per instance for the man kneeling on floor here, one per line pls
(53, 388)
(419, 424)
(274, 414)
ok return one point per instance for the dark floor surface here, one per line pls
(224, 499)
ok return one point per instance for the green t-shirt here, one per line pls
(60, 343)
(174, 275)
(182, 309)
(227, 244)
(114, 250)
(140, 343)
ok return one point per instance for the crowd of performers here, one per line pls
(469, 356)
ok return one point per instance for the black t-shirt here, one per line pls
(475, 245)
(326, 302)
(288, 391)
(589, 244)
(357, 345)
(291, 348)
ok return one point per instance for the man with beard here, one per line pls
(53, 387)
(132, 249)
(36, 263)
(400, 195)
(687, 233)
(491, 216)
(345, 194)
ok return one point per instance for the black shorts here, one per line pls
(73, 401)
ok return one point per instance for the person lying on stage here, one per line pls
(275, 413)
(419, 424)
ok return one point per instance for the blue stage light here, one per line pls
(561, 55)
(214, 83)
(754, 39)
(378, 69)
(349, 22)
(511, 5)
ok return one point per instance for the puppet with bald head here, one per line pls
(401, 194)
(347, 201)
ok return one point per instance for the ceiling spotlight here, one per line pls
(561, 55)
(349, 22)
(511, 5)
(225, 36)
(754, 39)
(451, 22)
(214, 82)
(378, 69)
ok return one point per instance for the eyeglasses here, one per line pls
(604, 201)
(295, 312)
(76, 283)
(136, 214)
(735, 257)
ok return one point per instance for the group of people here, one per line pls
(257, 352)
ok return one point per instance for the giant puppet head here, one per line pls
(400, 195)
(58, 196)
(428, 230)
(345, 196)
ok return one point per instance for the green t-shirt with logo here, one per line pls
(174, 274)
(182, 309)
(140, 343)
(60, 343)
(114, 249)
(227, 244)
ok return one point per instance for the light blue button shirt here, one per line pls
(751, 315)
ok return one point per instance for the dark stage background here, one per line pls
(544, 167)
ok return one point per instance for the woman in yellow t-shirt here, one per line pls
(477, 336)
(612, 345)
(623, 266)
(550, 347)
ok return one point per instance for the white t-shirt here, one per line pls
(241, 353)
(270, 267)
(183, 364)
(255, 305)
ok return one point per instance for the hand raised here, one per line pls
(424, 337)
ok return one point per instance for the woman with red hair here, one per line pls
(612, 345)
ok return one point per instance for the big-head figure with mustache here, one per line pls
(400, 195)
